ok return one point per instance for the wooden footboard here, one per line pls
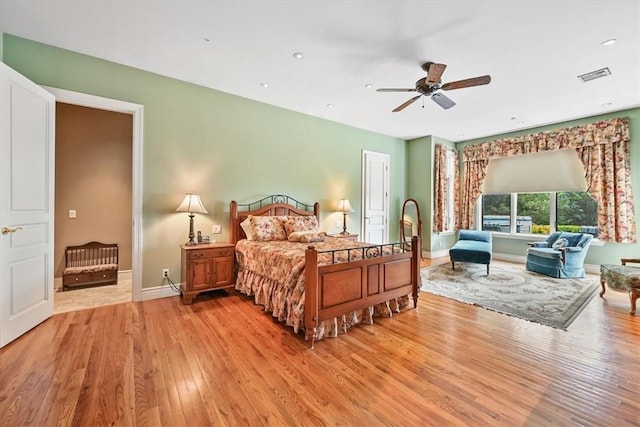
(337, 289)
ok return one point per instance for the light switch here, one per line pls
(72, 213)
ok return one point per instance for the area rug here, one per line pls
(511, 289)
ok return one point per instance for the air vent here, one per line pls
(603, 72)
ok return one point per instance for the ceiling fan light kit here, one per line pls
(442, 100)
(430, 85)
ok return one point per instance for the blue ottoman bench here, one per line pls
(472, 246)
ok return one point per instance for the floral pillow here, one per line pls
(307, 236)
(301, 223)
(267, 228)
(312, 237)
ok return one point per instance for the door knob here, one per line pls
(7, 230)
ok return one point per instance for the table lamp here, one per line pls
(193, 205)
(344, 206)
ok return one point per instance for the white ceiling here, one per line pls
(533, 50)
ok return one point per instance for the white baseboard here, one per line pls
(437, 254)
(589, 268)
(159, 292)
(509, 258)
(124, 275)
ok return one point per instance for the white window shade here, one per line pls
(559, 170)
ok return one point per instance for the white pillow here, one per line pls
(246, 227)
(560, 243)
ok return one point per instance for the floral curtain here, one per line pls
(603, 148)
(441, 209)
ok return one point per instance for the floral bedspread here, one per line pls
(273, 272)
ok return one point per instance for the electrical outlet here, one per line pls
(216, 229)
(165, 273)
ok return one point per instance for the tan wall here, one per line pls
(93, 177)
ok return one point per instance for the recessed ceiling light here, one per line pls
(607, 104)
(298, 55)
(329, 105)
(368, 85)
(264, 84)
(609, 42)
(206, 39)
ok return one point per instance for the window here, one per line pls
(540, 213)
(577, 212)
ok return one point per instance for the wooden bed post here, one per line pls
(416, 255)
(233, 218)
(311, 294)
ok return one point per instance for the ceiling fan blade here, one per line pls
(406, 104)
(475, 81)
(442, 100)
(395, 90)
(435, 72)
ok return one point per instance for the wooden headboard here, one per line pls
(277, 204)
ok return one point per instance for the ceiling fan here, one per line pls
(431, 84)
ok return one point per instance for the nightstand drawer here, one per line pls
(210, 253)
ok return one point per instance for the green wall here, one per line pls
(419, 162)
(609, 253)
(420, 152)
(222, 146)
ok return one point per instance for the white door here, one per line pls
(375, 203)
(27, 129)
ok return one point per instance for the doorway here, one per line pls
(92, 198)
(136, 113)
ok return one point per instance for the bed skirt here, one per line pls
(287, 305)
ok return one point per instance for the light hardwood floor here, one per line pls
(221, 361)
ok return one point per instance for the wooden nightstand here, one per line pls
(349, 236)
(205, 268)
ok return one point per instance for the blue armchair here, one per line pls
(561, 255)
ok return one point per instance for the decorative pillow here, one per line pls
(246, 227)
(301, 223)
(307, 236)
(267, 228)
(560, 243)
(312, 237)
(572, 238)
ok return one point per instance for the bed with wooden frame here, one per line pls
(338, 279)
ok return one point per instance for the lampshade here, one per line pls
(345, 206)
(191, 204)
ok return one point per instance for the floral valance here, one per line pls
(601, 132)
(603, 149)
